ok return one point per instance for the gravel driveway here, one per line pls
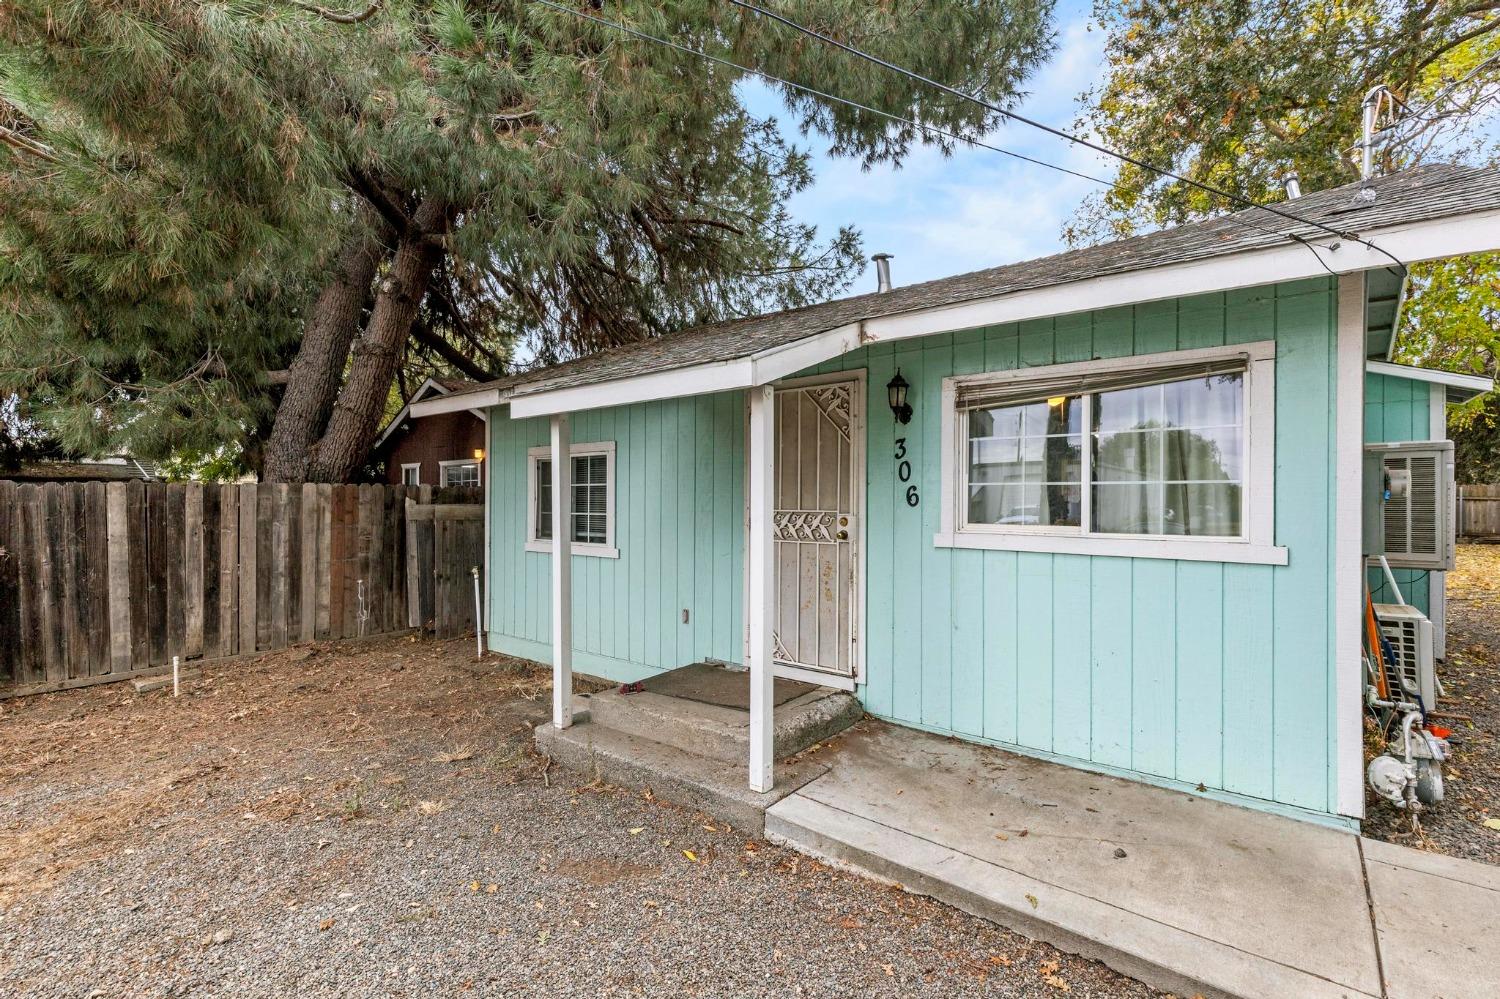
(370, 820)
(1471, 680)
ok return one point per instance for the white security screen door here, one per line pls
(819, 495)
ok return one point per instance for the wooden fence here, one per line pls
(103, 581)
(445, 542)
(1479, 513)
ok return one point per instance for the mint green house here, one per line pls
(1101, 508)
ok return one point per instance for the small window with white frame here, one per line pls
(593, 489)
(1167, 456)
(411, 475)
(460, 472)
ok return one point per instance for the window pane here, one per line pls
(1061, 504)
(1037, 457)
(1169, 458)
(1026, 464)
(995, 422)
(1002, 460)
(590, 490)
(1209, 509)
(1128, 509)
(1199, 455)
(1205, 402)
(1005, 503)
(544, 499)
(589, 469)
(589, 529)
(1130, 456)
(1129, 409)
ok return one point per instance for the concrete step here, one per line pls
(715, 787)
(722, 733)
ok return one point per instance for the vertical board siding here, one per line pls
(1201, 673)
(1209, 674)
(679, 508)
(1399, 409)
(1195, 672)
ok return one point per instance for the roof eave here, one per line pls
(1460, 387)
(477, 399)
(1410, 242)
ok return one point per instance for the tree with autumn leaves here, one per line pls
(1241, 94)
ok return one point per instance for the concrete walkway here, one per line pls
(1184, 893)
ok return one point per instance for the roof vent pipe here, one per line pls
(1293, 185)
(882, 272)
(1370, 109)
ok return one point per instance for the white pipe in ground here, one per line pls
(478, 615)
(176, 675)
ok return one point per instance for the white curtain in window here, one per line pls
(1168, 458)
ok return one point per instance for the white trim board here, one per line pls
(1437, 582)
(1430, 239)
(1177, 549)
(457, 401)
(1348, 557)
(1475, 383)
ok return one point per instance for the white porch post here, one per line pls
(562, 575)
(1348, 556)
(760, 486)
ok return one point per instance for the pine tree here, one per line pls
(239, 220)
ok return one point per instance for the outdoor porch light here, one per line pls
(479, 454)
(896, 391)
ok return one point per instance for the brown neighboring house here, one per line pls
(436, 450)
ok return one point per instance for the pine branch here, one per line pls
(16, 140)
(379, 198)
(434, 341)
(340, 17)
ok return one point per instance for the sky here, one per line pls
(941, 215)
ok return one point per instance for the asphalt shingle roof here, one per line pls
(1421, 194)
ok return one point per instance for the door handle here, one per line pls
(842, 535)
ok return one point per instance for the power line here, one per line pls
(931, 129)
(1014, 116)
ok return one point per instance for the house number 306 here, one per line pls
(903, 472)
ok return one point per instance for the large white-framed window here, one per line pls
(459, 472)
(1167, 455)
(593, 499)
(411, 474)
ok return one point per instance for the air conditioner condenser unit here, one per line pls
(1413, 673)
(1410, 504)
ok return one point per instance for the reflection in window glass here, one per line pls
(1168, 459)
(466, 474)
(1163, 459)
(1025, 464)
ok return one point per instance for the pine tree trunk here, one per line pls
(313, 381)
(361, 402)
